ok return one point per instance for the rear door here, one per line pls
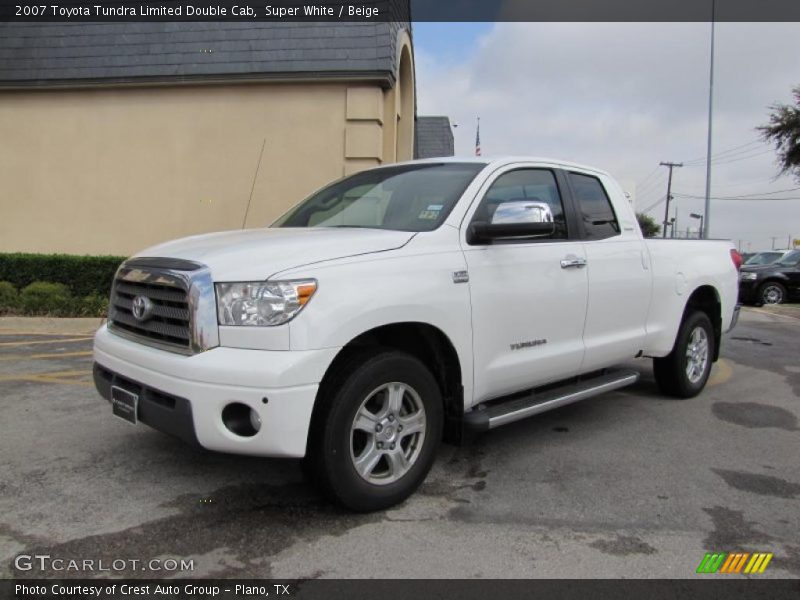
(617, 267)
(528, 308)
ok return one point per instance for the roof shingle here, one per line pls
(43, 54)
(433, 138)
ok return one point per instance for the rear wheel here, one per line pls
(375, 436)
(683, 373)
(772, 292)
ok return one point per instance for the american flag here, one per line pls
(478, 139)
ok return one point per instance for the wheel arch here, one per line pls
(706, 298)
(424, 341)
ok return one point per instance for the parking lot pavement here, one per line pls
(630, 484)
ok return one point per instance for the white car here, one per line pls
(403, 305)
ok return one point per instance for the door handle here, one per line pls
(573, 262)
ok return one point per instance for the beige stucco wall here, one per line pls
(113, 170)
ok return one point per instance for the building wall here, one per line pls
(114, 170)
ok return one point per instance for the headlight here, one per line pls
(748, 276)
(262, 303)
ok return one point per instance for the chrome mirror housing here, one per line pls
(522, 212)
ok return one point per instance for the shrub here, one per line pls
(8, 296)
(45, 298)
(83, 275)
(92, 305)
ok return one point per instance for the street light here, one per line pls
(696, 216)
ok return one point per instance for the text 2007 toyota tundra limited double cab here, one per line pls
(405, 304)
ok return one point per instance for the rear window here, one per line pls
(791, 259)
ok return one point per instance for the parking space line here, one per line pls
(51, 377)
(722, 373)
(774, 314)
(44, 379)
(10, 357)
(63, 334)
(9, 344)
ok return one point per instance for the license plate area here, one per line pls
(124, 404)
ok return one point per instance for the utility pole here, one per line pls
(675, 231)
(707, 210)
(670, 165)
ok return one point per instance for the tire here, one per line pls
(771, 292)
(380, 458)
(683, 373)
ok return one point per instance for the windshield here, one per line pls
(414, 197)
(764, 258)
(791, 259)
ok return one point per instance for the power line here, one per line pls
(726, 160)
(746, 196)
(648, 176)
(655, 183)
(724, 152)
(651, 207)
(730, 199)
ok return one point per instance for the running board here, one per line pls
(489, 417)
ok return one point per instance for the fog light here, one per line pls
(255, 420)
(241, 419)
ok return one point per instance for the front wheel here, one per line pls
(376, 434)
(772, 292)
(683, 373)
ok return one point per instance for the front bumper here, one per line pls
(185, 395)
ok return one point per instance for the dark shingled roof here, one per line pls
(434, 138)
(45, 54)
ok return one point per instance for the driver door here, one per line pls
(528, 295)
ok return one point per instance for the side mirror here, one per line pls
(519, 211)
(514, 220)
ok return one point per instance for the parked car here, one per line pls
(403, 305)
(771, 284)
(764, 258)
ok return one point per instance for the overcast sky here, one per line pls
(624, 97)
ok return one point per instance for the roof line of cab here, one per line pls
(501, 161)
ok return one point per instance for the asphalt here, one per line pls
(630, 484)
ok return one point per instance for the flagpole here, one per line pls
(478, 139)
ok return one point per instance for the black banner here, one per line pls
(713, 587)
(332, 11)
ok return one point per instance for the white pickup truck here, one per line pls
(403, 305)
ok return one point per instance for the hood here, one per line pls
(256, 254)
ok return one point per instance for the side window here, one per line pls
(595, 208)
(537, 185)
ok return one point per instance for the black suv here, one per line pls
(771, 284)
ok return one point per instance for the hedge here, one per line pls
(83, 275)
(49, 299)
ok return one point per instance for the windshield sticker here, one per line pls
(431, 213)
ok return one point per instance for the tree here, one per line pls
(783, 130)
(648, 225)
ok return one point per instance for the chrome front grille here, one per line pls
(167, 303)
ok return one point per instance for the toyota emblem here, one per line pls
(141, 308)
